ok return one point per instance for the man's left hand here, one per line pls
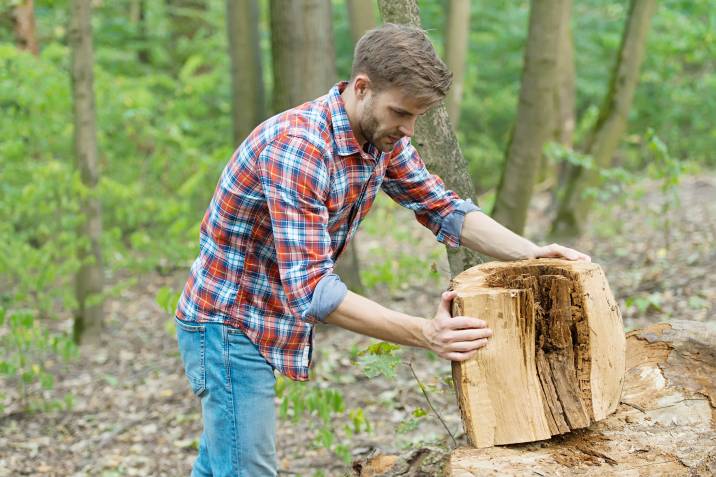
(558, 251)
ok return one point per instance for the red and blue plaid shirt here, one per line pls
(286, 205)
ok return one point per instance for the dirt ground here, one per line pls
(134, 413)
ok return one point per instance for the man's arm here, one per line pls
(455, 338)
(483, 234)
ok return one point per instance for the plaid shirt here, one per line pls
(286, 205)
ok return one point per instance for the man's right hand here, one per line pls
(455, 338)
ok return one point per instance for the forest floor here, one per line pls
(134, 413)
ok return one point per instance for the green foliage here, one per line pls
(321, 408)
(645, 303)
(668, 171)
(411, 423)
(26, 350)
(379, 359)
(397, 267)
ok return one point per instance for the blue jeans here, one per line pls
(236, 387)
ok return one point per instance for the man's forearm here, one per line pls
(361, 315)
(483, 234)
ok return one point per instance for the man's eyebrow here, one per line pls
(400, 110)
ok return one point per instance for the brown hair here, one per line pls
(402, 56)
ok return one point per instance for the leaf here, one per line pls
(379, 364)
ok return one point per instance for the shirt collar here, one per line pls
(342, 132)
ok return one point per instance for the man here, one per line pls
(284, 209)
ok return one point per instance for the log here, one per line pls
(665, 424)
(555, 362)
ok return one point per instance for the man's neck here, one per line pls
(349, 101)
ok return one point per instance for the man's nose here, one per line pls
(408, 129)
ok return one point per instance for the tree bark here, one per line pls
(23, 17)
(303, 53)
(565, 94)
(572, 206)
(436, 141)
(556, 360)
(361, 14)
(186, 18)
(138, 16)
(457, 36)
(248, 100)
(535, 116)
(665, 424)
(304, 69)
(564, 97)
(89, 279)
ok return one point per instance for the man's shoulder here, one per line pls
(309, 122)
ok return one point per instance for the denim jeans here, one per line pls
(236, 387)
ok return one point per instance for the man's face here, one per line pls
(388, 116)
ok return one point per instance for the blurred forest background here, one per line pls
(591, 122)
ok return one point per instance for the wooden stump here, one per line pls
(555, 362)
(664, 426)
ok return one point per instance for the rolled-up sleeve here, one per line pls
(408, 182)
(295, 180)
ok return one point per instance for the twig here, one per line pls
(427, 398)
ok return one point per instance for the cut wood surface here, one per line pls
(555, 362)
(664, 425)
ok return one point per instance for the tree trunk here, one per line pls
(89, 280)
(561, 319)
(248, 101)
(564, 96)
(304, 64)
(304, 68)
(138, 16)
(572, 206)
(362, 17)
(23, 17)
(457, 36)
(186, 19)
(535, 116)
(665, 424)
(435, 139)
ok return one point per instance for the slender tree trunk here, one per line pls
(89, 280)
(564, 95)
(304, 68)
(535, 115)
(361, 14)
(248, 100)
(603, 141)
(303, 52)
(23, 17)
(138, 15)
(435, 139)
(457, 36)
(186, 18)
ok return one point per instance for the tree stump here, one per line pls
(664, 426)
(555, 362)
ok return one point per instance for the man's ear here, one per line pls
(361, 85)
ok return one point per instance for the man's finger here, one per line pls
(463, 322)
(446, 302)
(467, 346)
(468, 334)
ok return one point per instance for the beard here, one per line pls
(371, 130)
